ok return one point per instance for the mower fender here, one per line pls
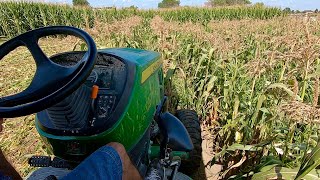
(175, 134)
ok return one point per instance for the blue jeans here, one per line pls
(104, 163)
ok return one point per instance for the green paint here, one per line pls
(135, 119)
(155, 151)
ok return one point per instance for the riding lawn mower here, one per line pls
(86, 99)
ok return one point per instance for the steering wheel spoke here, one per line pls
(37, 88)
(37, 53)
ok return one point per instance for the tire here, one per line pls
(190, 120)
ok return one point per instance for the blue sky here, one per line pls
(145, 4)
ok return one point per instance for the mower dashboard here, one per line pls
(101, 76)
(79, 111)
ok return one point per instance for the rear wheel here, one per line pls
(190, 120)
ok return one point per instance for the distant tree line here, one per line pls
(289, 10)
(176, 3)
(169, 4)
(80, 3)
(228, 2)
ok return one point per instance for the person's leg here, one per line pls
(44, 172)
(129, 170)
(108, 162)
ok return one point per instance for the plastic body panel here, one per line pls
(175, 134)
(134, 121)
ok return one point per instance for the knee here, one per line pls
(119, 148)
(129, 170)
(122, 153)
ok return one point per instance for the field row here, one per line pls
(18, 17)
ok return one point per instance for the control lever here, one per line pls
(94, 95)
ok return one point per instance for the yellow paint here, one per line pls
(150, 70)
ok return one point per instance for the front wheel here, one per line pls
(190, 120)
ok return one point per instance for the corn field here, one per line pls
(18, 17)
(251, 73)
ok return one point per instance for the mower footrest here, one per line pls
(40, 161)
(45, 161)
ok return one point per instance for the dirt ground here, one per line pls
(207, 171)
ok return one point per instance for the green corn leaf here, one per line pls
(235, 107)
(188, 51)
(310, 162)
(203, 57)
(211, 53)
(170, 73)
(242, 147)
(268, 162)
(283, 174)
(261, 99)
(268, 167)
(285, 88)
(210, 84)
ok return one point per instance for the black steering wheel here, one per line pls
(52, 82)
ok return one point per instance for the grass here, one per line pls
(255, 82)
